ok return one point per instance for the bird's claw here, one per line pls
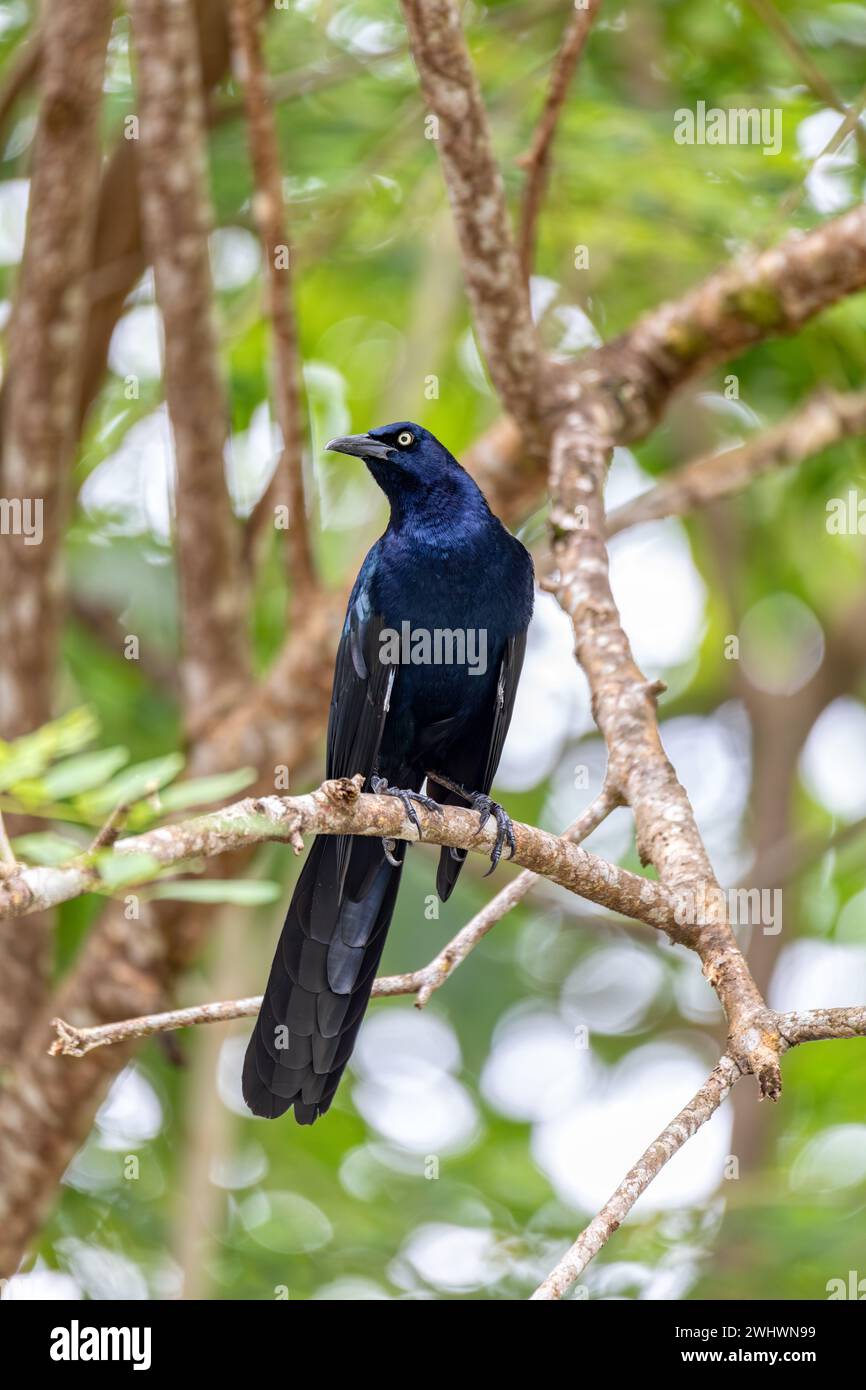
(389, 846)
(487, 807)
(406, 798)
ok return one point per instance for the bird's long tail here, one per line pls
(321, 977)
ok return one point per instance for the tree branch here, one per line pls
(119, 258)
(39, 415)
(624, 707)
(43, 361)
(19, 75)
(490, 263)
(76, 1042)
(287, 487)
(339, 808)
(536, 161)
(825, 419)
(702, 1106)
(760, 295)
(176, 216)
(812, 1025)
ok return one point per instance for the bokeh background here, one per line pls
(469, 1143)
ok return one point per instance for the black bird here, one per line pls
(446, 572)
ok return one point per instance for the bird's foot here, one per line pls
(486, 807)
(406, 799)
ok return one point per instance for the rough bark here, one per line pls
(38, 443)
(176, 215)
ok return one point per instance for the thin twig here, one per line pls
(434, 975)
(792, 199)
(703, 1104)
(536, 161)
(111, 829)
(18, 76)
(287, 487)
(809, 1025)
(77, 1042)
(818, 83)
(826, 418)
(7, 856)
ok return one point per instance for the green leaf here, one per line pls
(249, 892)
(200, 791)
(20, 763)
(115, 870)
(79, 774)
(45, 847)
(132, 784)
(30, 755)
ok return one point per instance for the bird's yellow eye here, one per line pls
(405, 438)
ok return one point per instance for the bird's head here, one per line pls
(409, 464)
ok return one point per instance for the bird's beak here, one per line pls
(362, 446)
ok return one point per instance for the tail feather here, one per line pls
(451, 861)
(321, 978)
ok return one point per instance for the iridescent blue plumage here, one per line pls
(446, 580)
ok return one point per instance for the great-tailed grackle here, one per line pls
(425, 680)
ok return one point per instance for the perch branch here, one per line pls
(339, 808)
(76, 1042)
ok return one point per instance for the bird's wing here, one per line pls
(474, 766)
(361, 694)
(506, 692)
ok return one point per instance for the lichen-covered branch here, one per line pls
(624, 707)
(758, 296)
(339, 808)
(822, 1025)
